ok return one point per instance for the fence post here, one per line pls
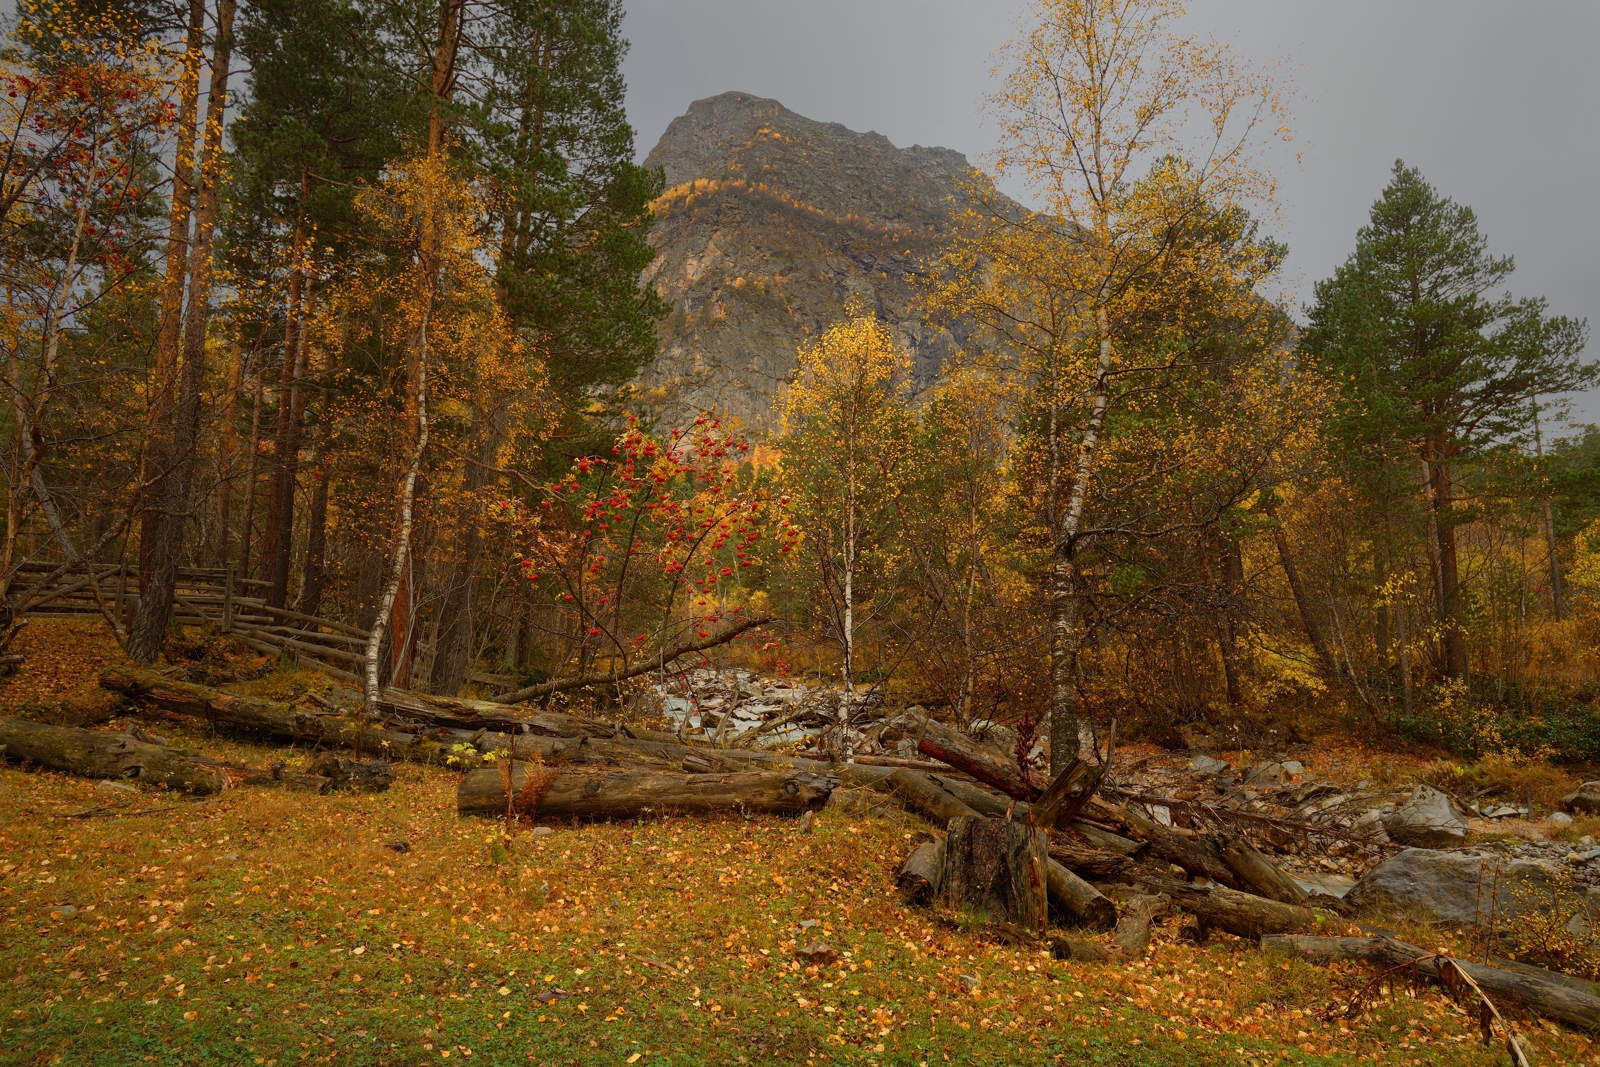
(227, 599)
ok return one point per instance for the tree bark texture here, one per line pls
(1260, 873)
(538, 792)
(925, 795)
(997, 869)
(1554, 1000)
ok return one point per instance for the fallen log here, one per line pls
(997, 869)
(979, 799)
(547, 792)
(949, 745)
(1131, 939)
(362, 776)
(920, 875)
(1088, 862)
(1110, 842)
(1240, 914)
(98, 754)
(925, 795)
(1551, 999)
(1259, 873)
(1197, 855)
(1078, 898)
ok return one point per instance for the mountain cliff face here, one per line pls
(770, 223)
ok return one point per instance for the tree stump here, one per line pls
(997, 869)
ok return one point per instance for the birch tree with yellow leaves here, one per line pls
(1141, 148)
(846, 433)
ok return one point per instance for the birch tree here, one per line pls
(1129, 136)
(846, 430)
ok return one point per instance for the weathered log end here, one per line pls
(1086, 904)
(922, 874)
(540, 792)
(997, 869)
(1130, 941)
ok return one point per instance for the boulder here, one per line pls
(1584, 801)
(1208, 765)
(1427, 885)
(1430, 819)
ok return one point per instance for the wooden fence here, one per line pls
(223, 601)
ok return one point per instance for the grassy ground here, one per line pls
(270, 928)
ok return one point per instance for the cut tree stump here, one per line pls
(919, 877)
(997, 869)
(98, 754)
(545, 792)
(1131, 939)
(1086, 904)
(1551, 999)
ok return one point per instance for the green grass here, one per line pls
(274, 928)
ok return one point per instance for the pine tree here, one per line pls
(1437, 366)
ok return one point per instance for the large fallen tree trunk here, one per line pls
(949, 745)
(141, 758)
(1088, 862)
(1551, 999)
(395, 734)
(546, 792)
(98, 754)
(1240, 914)
(998, 869)
(1130, 941)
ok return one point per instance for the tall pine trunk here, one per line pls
(278, 541)
(164, 551)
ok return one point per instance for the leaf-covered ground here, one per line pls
(274, 928)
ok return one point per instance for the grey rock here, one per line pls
(542, 831)
(1430, 819)
(1208, 765)
(1559, 818)
(63, 911)
(1450, 887)
(120, 787)
(817, 952)
(1585, 800)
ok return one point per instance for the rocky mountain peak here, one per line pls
(770, 223)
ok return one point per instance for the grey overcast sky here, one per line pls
(1498, 103)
